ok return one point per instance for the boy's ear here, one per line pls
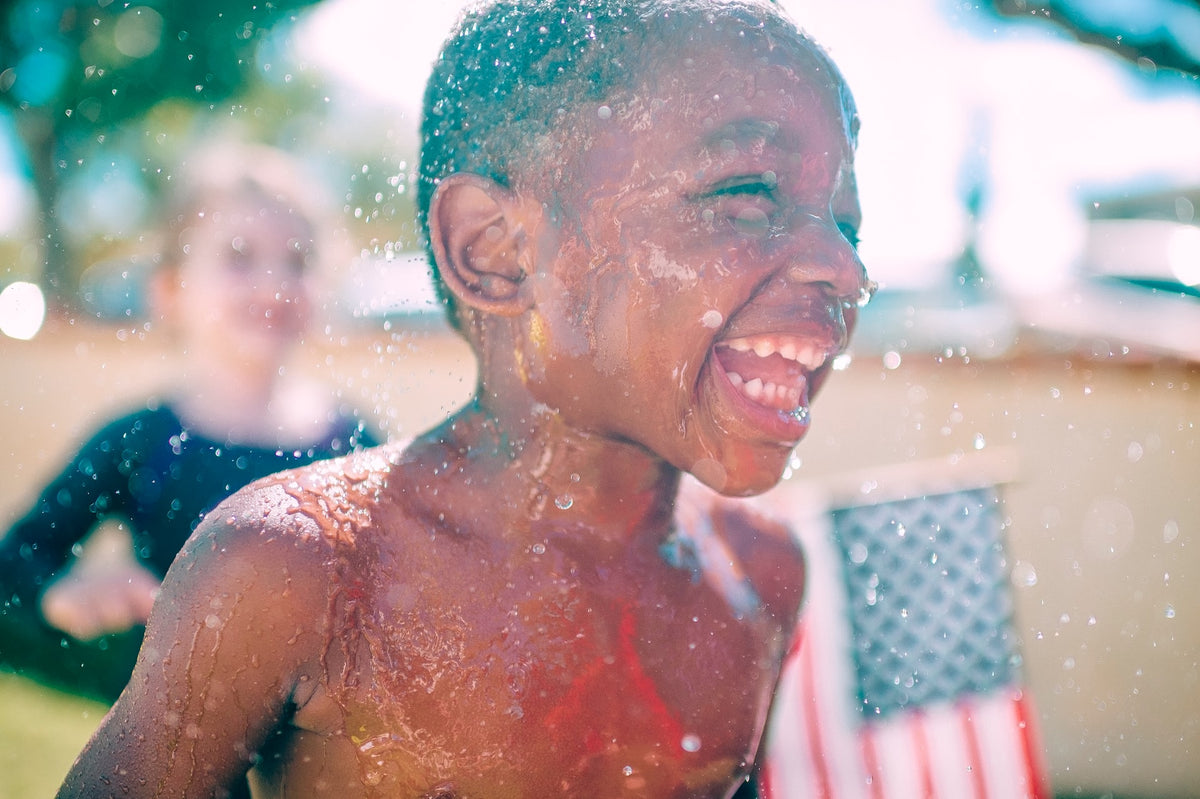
(477, 236)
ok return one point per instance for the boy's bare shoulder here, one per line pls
(283, 542)
(324, 506)
(765, 547)
(769, 552)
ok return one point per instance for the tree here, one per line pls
(1155, 35)
(73, 71)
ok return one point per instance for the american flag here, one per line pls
(904, 680)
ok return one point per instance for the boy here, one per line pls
(642, 215)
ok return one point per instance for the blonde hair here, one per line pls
(227, 172)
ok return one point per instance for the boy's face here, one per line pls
(702, 274)
(243, 281)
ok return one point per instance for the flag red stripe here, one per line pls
(1030, 749)
(921, 747)
(766, 780)
(871, 761)
(971, 736)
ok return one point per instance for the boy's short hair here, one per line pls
(512, 73)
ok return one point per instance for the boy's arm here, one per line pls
(237, 624)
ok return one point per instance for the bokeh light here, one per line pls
(22, 310)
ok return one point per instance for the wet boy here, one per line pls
(643, 217)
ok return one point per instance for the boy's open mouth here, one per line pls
(772, 370)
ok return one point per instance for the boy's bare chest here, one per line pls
(553, 675)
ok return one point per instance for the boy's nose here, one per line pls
(819, 254)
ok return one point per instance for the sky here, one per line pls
(1040, 121)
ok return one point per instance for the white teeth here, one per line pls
(766, 392)
(810, 356)
(802, 352)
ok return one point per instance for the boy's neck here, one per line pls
(535, 470)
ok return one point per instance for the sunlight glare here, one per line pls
(22, 310)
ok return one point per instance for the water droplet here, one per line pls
(690, 742)
(604, 112)
(539, 548)
(564, 501)
(1170, 531)
(1024, 575)
(891, 360)
(627, 771)
(712, 319)
(866, 293)
(1169, 612)
(858, 553)
(980, 441)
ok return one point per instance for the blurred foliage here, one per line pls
(1160, 36)
(100, 63)
(75, 74)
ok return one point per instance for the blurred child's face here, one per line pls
(243, 282)
(705, 273)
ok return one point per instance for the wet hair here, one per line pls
(513, 72)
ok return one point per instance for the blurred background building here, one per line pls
(1030, 175)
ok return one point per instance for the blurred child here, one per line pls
(234, 289)
(642, 214)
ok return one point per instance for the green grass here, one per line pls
(41, 732)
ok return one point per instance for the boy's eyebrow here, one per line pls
(743, 130)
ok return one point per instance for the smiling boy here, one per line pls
(642, 215)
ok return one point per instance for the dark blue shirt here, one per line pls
(149, 470)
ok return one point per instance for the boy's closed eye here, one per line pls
(748, 202)
(753, 204)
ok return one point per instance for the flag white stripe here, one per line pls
(899, 763)
(1003, 744)
(953, 767)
